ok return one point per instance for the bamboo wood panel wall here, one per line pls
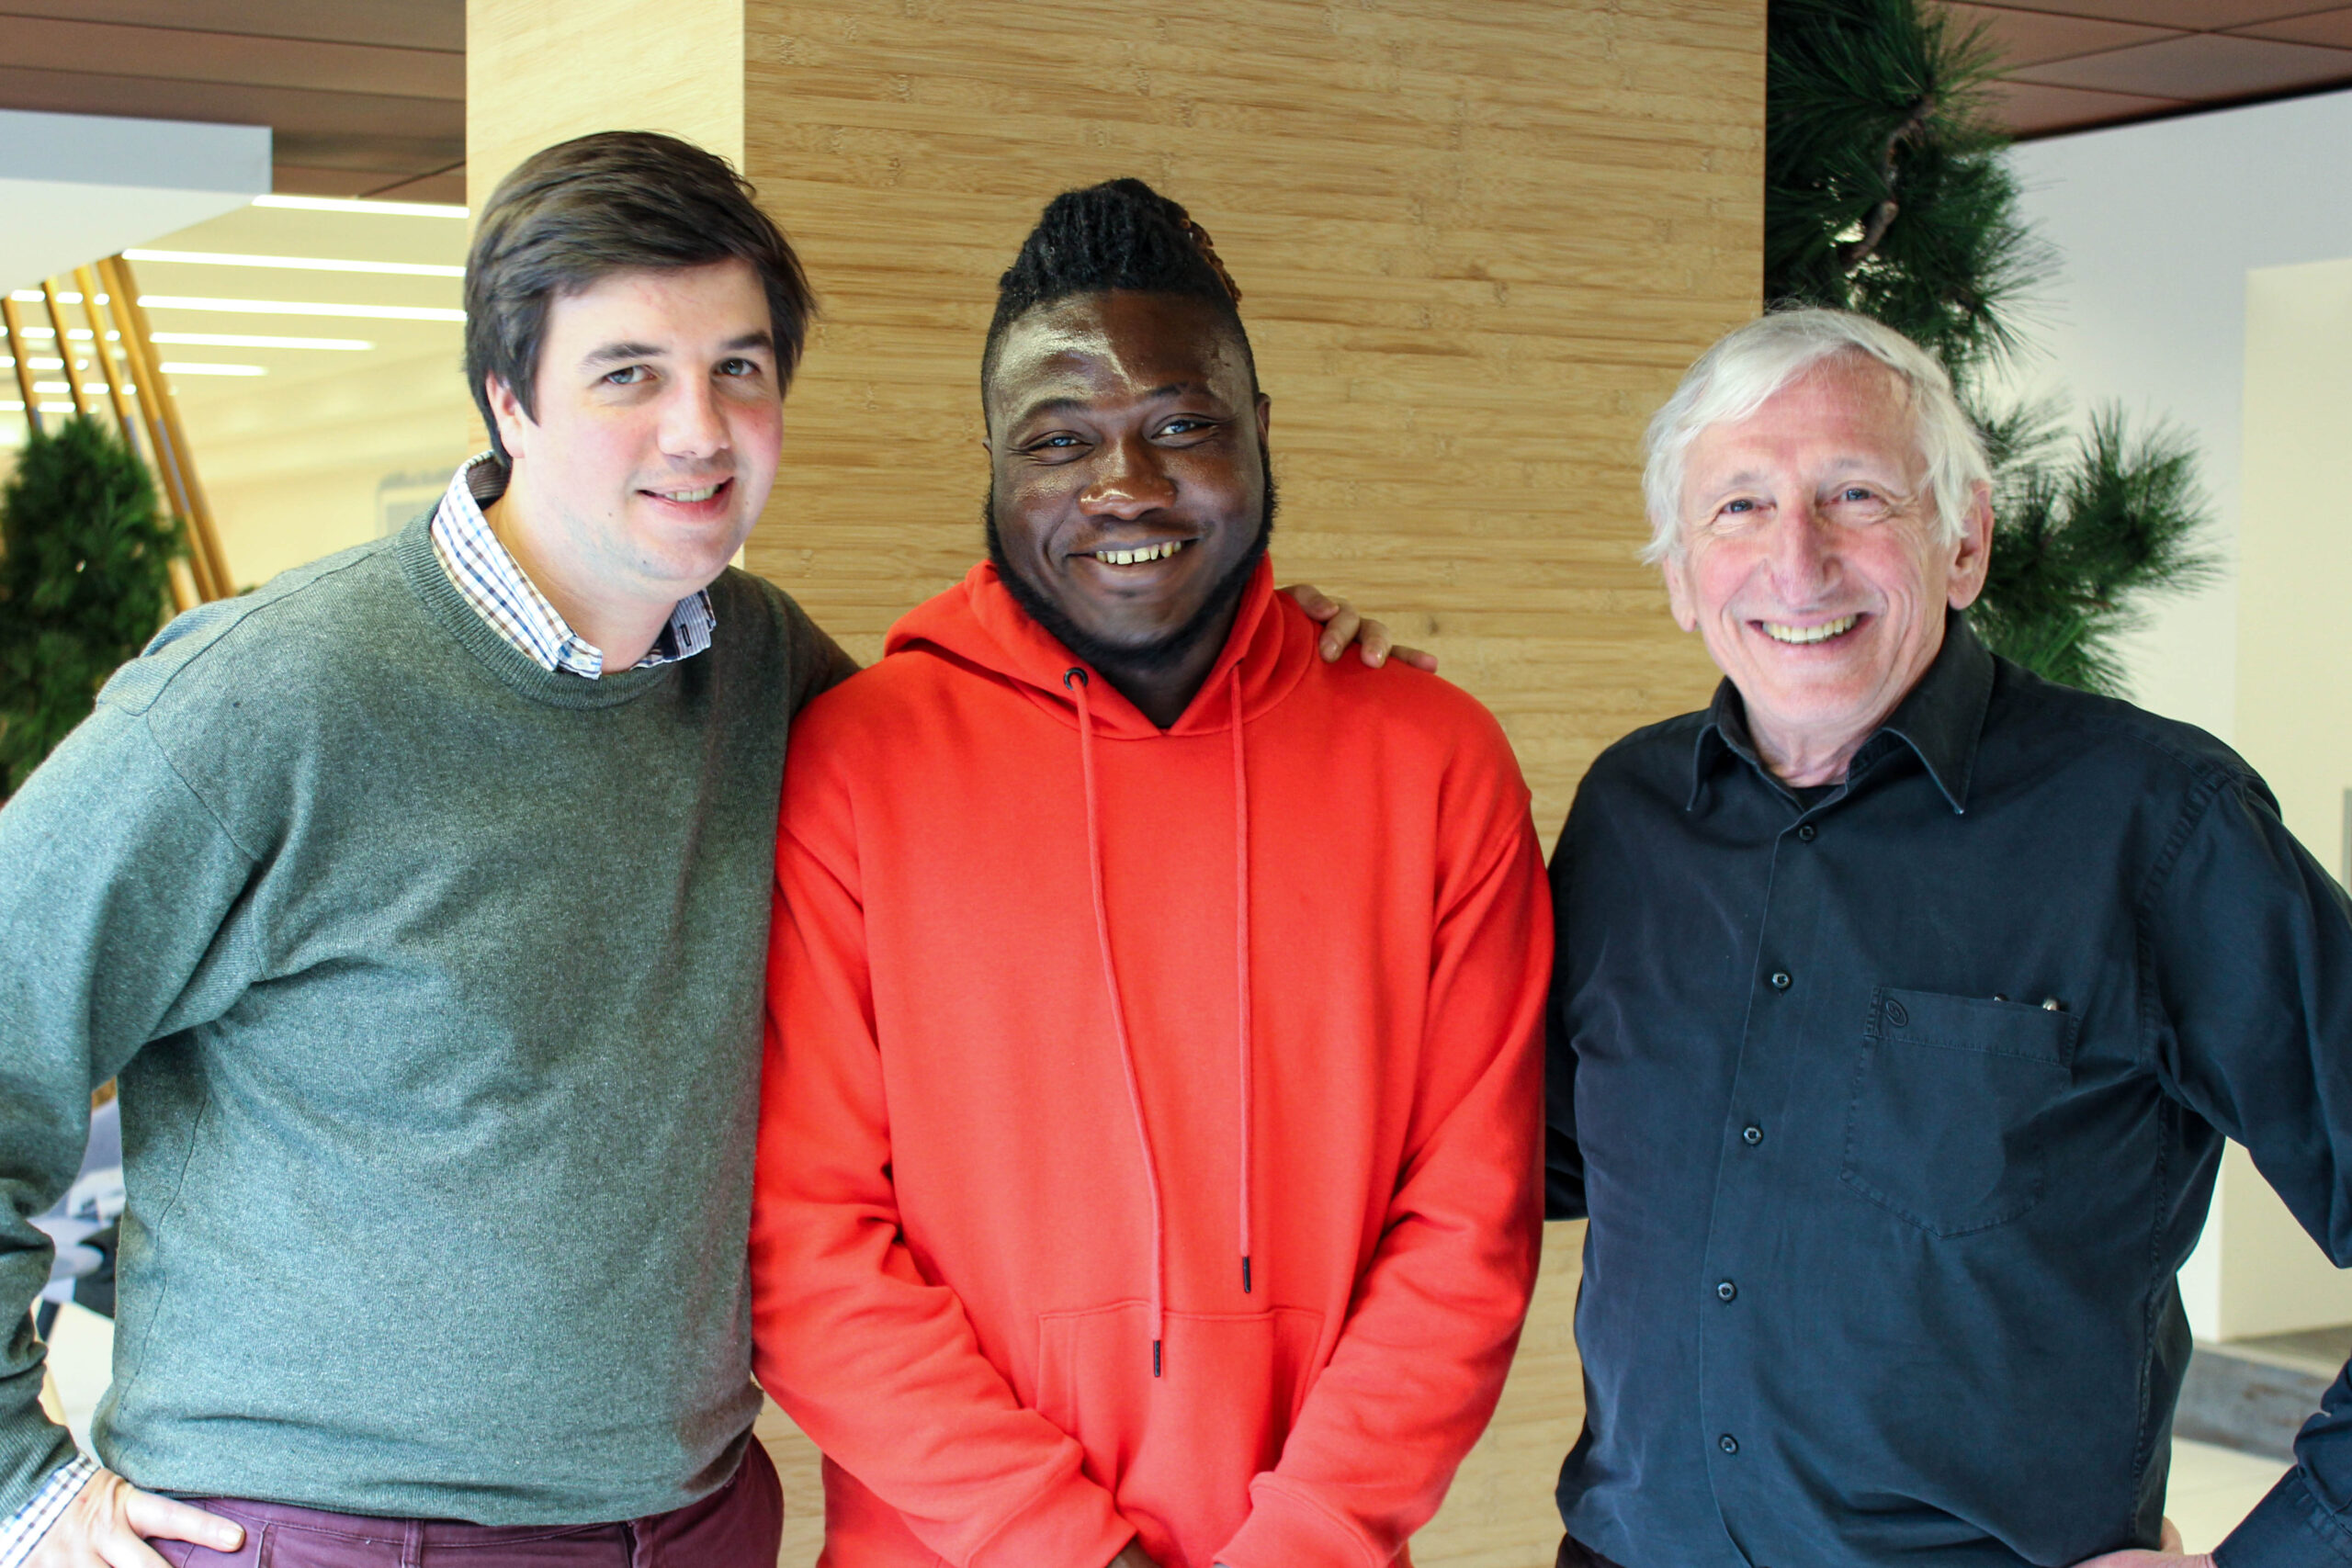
(1479, 242)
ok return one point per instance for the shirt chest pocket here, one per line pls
(1949, 1099)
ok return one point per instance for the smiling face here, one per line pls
(659, 415)
(1812, 563)
(1128, 491)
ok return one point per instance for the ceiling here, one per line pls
(2074, 64)
(366, 97)
(363, 97)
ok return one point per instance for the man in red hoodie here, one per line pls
(1147, 1166)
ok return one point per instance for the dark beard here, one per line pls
(1146, 658)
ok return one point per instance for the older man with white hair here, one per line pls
(1902, 1004)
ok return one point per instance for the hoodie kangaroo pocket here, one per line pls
(1178, 1451)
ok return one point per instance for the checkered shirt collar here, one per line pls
(487, 575)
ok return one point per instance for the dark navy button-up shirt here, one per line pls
(1896, 1111)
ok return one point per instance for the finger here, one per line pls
(1318, 605)
(1418, 658)
(121, 1548)
(1341, 630)
(174, 1520)
(2168, 1537)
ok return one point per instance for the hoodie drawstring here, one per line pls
(1075, 681)
(1241, 952)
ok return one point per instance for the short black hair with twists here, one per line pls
(1120, 234)
(616, 201)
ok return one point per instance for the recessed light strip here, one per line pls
(380, 209)
(262, 307)
(252, 340)
(301, 308)
(297, 264)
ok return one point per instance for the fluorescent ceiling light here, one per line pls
(32, 362)
(299, 308)
(297, 264)
(169, 368)
(61, 389)
(64, 296)
(249, 340)
(384, 208)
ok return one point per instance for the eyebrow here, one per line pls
(1079, 405)
(613, 352)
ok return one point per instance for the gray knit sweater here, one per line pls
(433, 980)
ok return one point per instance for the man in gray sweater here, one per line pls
(419, 900)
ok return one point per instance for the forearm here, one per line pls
(2307, 1518)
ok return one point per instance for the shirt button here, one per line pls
(1728, 1443)
(1727, 1290)
(1782, 980)
(1805, 832)
(1751, 1136)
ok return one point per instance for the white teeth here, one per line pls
(1821, 632)
(1141, 552)
(690, 495)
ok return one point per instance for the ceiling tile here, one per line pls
(2325, 27)
(43, 43)
(2172, 12)
(406, 24)
(2203, 66)
(2030, 38)
(2030, 110)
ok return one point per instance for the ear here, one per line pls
(1679, 597)
(1265, 414)
(1973, 556)
(513, 425)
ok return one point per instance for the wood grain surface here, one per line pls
(1478, 242)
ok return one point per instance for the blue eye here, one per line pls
(1740, 506)
(627, 374)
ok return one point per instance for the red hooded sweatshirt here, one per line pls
(1149, 1141)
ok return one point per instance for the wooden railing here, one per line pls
(141, 403)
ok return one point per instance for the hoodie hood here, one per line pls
(978, 623)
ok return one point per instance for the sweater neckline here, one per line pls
(413, 547)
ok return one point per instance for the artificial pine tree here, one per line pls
(1886, 193)
(84, 562)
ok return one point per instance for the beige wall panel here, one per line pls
(538, 73)
(1478, 244)
(2294, 703)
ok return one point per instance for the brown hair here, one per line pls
(616, 201)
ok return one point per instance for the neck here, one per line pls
(1162, 692)
(622, 627)
(1806, 761)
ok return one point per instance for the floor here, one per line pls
(1497, 1516)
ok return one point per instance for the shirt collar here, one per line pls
(1941, 719)
(487, 575)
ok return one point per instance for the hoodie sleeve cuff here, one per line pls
(1072, 1521)
(2289, 1529)
(1288, 1528)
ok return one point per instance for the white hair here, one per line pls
(1749, 364)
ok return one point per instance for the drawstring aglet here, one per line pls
(1245, 1274)
(1155, 1357)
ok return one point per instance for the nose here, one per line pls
(1802, 552)
(694, 427)
(1128, 481)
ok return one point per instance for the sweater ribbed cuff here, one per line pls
(1288, 1528)
(1072, 1521)
(2289, 1529)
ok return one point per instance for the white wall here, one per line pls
(2157, 226)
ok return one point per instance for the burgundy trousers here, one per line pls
(738, 1526)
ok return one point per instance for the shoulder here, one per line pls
(292, 633)
(2038, 727)
(1655, 760)
(762, 626)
